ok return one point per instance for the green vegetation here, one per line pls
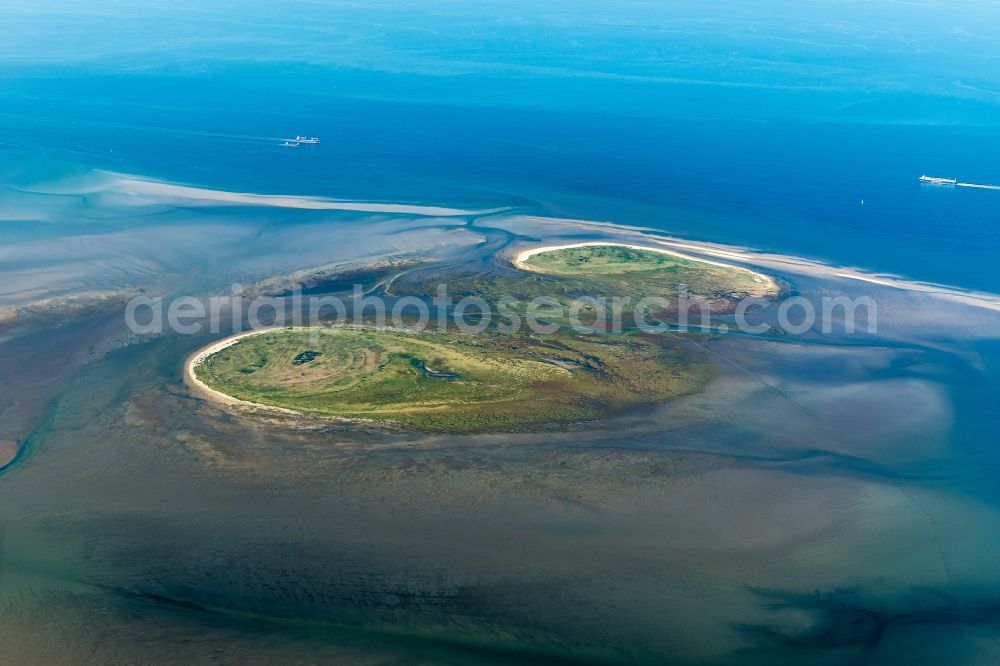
(608, 260)
(452, 382)
(603, 271)
(625, 271)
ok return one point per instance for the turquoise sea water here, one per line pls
(764, 124)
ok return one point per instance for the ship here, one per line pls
(307, 139)
(933, 180)
(291, 144)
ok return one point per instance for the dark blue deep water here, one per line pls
(760, 124)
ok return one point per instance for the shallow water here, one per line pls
(819, 480)
(829, 498)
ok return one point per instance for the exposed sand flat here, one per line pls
(170, 191)
(786, 264)
(980, 299)
(8, 451)
(522, 257)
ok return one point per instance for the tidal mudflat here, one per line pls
(819, 496)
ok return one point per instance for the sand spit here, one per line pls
(131, 185)
(784, 264)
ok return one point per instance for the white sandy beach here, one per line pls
(786, 264)
(203, 390)
(523, 256)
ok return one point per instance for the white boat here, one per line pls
(291, 144)
(933, 180)
(307, 139)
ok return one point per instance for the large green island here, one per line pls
(452, 382)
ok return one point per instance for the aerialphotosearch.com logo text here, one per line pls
(795, 315)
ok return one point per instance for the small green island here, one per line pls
(608, 270)
(614, 269)
(452, 382)
(493, 381)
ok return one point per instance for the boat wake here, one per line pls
(953, 182)
(153, 129)
(978, 187)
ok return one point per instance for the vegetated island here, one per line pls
(603, 269)
(647, 270)
(491, 382)
(447, 382)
